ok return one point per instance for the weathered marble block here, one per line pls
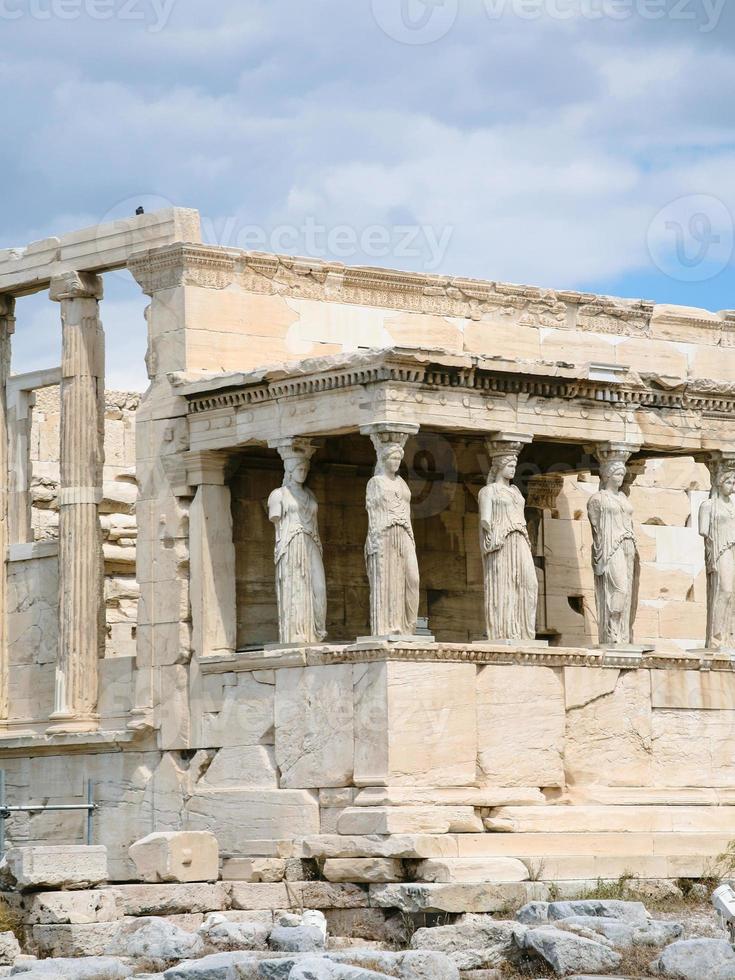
(415, 724)
(52, 867)
(177, 857)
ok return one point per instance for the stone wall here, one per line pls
(33, 572)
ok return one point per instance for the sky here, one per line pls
(571, 144)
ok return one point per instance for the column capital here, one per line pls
(389, 433)
(76, 285)
(295, 447)
(613, 452)
(7, 306)
(206, 466)
(507, 443)
(390, 428)
(719, 457)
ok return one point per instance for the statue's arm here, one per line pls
(485, 502)
(275, 506)
(599, 559)
(705, 518)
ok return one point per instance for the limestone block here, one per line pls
(610, 819)
(520, 723)
(608, 740)
(74, 940)
(403, 820)
(172, 899)
(72, 907)
(415, 724)
(245, 766)
(53, 867)
(240, 815)
(370, 870)
(693, 689)
(693, 748)
(470, 796)
(396, 845)
(230, 714)
(267, 869)
(471, 870)
(583, 685)
(315, 743)
(177, 857)
(267, 895)
(457, 898)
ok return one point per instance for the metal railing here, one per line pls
(6, 811)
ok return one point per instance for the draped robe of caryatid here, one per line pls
(615, 564)
(511, 583)
(300, 583)
(390, 556)
(719, 556)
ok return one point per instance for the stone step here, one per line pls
(472, 870)
(589, 866)
(408, 820)
(614, 845)
(461, 796)
(531, 845)
(611, 819)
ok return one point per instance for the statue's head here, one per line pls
(296, 455)
(725, 482)
(388, 444)
(612, 474)
(503, 466)
(390, 458)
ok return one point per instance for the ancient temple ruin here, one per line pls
(455, 706)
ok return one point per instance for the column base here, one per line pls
(629, 649)
(723, 653)
(370, 641)
(516, 644)
(68, 723)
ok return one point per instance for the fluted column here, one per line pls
(81, 567)
(7, 326)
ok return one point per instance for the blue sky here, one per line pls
(565, 143)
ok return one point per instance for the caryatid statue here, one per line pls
(614, 550)
(390, 549)
(717, 527)
(511, 582)
(300, 583)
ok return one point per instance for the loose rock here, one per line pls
(473, 942)
(697, 959)
(156, 941)
(566, 953)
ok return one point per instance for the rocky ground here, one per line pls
(583, 938)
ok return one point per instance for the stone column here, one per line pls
(509, 572)
(390, 550)
(615, 559)
(81, 565)
(716, 521)
(211, 556)
(7, 326)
